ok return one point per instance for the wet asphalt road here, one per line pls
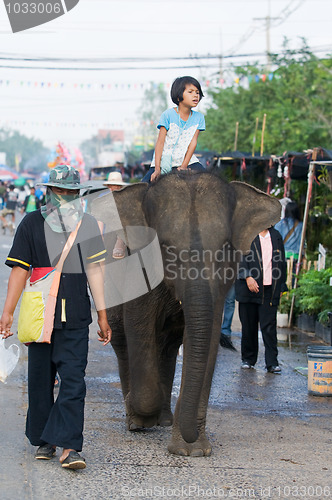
(270, 438)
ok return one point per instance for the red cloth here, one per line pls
(39, 272)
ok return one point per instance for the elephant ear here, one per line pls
(122, 208)
(254, 211)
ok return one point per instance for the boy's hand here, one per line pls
(155, 175)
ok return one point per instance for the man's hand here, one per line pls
(252, 284)
(105, 332)
(6, 322)
(182, 168)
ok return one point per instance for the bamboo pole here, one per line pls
(304, 228)
(254, 138)
(263, 131)
(236, 135)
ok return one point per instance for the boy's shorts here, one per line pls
(6, 211)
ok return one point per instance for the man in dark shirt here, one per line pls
(38, 243)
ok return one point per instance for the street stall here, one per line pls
(243, 166)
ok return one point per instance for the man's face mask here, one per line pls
(62, 212)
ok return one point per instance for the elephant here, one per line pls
(203, 225)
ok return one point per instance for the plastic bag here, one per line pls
(8, 359)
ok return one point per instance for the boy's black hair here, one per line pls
(179, 86)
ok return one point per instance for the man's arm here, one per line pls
(96, 282)
(16, 284)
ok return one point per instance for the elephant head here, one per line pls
(203, 224)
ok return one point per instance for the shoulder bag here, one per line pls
(37, 310)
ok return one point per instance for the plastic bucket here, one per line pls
(320, 370)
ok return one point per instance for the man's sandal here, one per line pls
(73, 461)
(45, 452)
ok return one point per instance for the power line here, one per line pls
(216, 57)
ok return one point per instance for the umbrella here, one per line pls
(7, 175)
(19, 182)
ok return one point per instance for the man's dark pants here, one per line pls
(251, 315)
(61, 422)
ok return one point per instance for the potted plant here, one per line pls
(314, 298)
(283, 310)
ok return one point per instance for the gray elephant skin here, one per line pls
(203, 224)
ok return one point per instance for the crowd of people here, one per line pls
(24, 199)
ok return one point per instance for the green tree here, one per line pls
(297, 101)
(153, 104)
(32, 151)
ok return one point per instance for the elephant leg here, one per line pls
(170, 340)
(145, 398)
(119, 344)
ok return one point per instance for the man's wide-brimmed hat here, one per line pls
(65, 177)
(115, 179)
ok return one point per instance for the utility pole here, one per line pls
(267, 20)
(220, 57)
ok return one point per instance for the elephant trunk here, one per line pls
(198, 312)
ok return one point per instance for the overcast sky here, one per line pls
(71, 105)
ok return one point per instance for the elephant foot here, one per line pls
(200, 448)
(138, 422)
(165, 418)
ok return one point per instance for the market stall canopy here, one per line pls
(239, 155)
(241, 165)
(6, 174)
(298, 163)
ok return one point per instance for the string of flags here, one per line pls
(129, 86)
(114, 125)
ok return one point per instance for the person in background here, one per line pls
(21, 193)
(179, 128)
(115, 183)
(11, 199)
(226, 327)
(40, 195)
(290, 228)
(31, 202)
(51, 423)
(3, 190)
(260, 283)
